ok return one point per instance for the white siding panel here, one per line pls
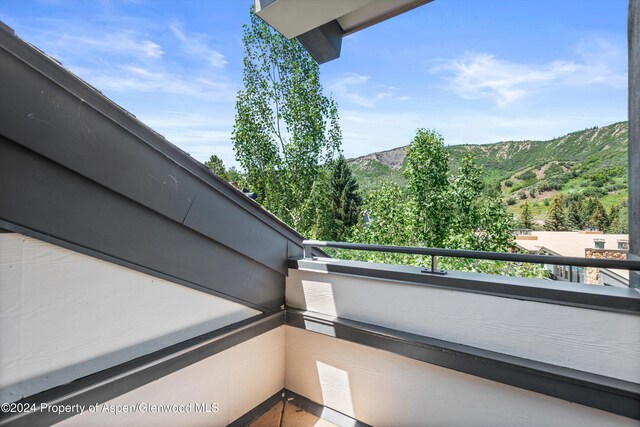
(66, 315)
(385, 389)
(589, 340)
(237, 379)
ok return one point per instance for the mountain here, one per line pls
(591, 162)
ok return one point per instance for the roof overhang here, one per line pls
(320, 25)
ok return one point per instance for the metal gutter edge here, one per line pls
(596, 391)
(110, 383)
(575, 295)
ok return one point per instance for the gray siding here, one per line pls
(79, 169)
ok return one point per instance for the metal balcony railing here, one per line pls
(434, 253)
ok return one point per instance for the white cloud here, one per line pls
(131, 78)
(201, 134)
(355, 89)
(120, 42)
(177, 86)
(484, 76)
(128, 61)
(193, 44)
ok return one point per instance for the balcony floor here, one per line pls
(289, 416)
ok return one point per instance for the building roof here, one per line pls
(320, 25)
(567, 243)
(570, 243)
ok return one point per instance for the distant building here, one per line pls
(587, 244)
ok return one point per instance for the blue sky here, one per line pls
(479, 71)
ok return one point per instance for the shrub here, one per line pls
(511, 201)
(508, 183)
(554, 169)
(526, 176)
(594, 192)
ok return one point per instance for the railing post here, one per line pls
(307, 251)
(434, 266)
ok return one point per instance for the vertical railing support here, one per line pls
(434, 266)
(570, 273)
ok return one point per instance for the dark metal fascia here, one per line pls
(44, 197)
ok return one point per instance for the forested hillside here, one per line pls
(591, 163)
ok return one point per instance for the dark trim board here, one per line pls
(596, 391)
(284, 395)
(604, 298)
(113, 382)
(38, 195)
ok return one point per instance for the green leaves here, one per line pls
(286, 129)
(437, 210)
(427, 173)
(216, 165)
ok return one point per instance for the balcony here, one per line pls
(137, 288)
(357, 343)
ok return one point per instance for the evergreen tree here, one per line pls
(526, 217)
(344, 202)
(588, 208)
(617, 220)
(575, 219)
(555, 216)
(216, 165)
(599, 218)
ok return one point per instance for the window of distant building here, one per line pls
(623, 244)
(599, 243)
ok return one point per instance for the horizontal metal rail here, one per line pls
(620, 264)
